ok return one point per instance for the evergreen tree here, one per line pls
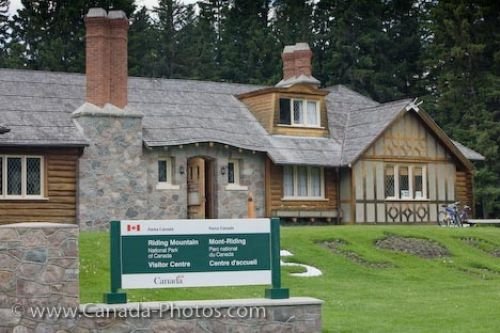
(142, 51)
(293, 21)
(174, 22)
(358, 53)
(4, 25)
(323, 39)
(207, 39)
(403, 74)
(249, 52)
(463, 60)
(49, 34)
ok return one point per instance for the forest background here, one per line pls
(446, 53)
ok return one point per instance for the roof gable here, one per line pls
(405, 134)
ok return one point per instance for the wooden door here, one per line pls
(196, 188)
(210, 188)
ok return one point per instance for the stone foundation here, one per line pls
(39, 271)
(262, 315)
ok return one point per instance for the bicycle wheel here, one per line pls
(443, 219)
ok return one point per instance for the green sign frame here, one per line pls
(270, 260)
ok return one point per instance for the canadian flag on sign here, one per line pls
(133, 227)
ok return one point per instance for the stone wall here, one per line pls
(39, 270)
(172, 203)
(118, 176)
(38, 267)
(112, 180)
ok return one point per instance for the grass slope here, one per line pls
(459, 293)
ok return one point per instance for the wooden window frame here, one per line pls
(411, 180)
(169, 184)
(24, 181)
(304, 102)
(295, 175)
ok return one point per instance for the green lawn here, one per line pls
(458, 293)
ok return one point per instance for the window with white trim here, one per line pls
(234, 175)
(299, 112)
(166, 174)
(405, 182)
(233, 172)
(21, 177)
(303, 182)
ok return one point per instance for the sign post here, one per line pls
(115, 263)
(276, 292)
(194, 253)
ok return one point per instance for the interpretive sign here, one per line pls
(192, 253)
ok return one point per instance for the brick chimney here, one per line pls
(106, 57)
(303, 58)
(288, 58)
(297, 66)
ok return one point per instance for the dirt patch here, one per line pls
(483, 245)
(423, 248)
(335, 245)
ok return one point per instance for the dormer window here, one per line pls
(299, 112)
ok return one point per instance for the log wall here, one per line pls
(274, 193)
(60, 184)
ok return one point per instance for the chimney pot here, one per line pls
(96, 12)
(117, 14)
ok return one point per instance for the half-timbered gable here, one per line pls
(407, 173)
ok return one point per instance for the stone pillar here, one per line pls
(112, 173)
(39, 266)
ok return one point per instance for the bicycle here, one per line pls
(453, 216)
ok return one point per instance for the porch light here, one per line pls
(181, 169)
(223, 170)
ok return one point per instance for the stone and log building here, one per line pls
(92, 148)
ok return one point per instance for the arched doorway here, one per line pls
(201, 187)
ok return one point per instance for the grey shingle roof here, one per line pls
(3, 129)
(37, 107)
(365, 125)
(185, 111)
(467, 152)
(310, 151)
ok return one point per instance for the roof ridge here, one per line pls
(346, 126)
(383, 104)
(131, 77)
(343, 86)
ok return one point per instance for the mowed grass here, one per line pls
(458, 293)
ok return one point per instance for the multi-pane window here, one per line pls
(405, 182)
(165, 171)
(21, 177)
(165, 168)
(233, 171)
(389, 181)
(303, 182)
(418, 183)
(299, 112)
